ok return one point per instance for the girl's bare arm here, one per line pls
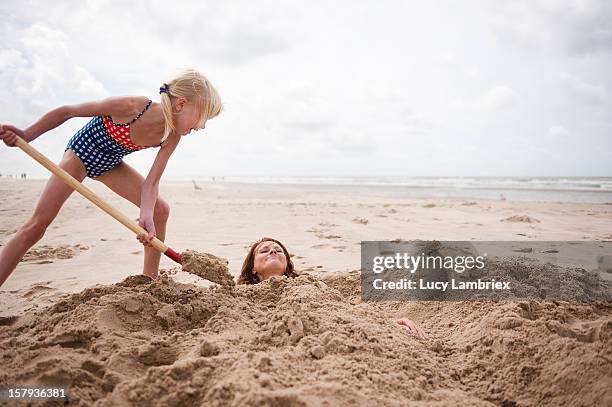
(150, 188)
(113, 106)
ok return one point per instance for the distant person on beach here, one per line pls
(119, 126)
(268, 257)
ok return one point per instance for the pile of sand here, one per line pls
(207, 266)
(306, 341)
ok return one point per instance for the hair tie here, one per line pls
(164, 89)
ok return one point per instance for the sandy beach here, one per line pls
(308, 341)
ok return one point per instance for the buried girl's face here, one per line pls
(270, 260)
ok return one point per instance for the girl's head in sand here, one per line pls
(266, 258)
(187, 102)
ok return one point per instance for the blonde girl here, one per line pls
(120, 126)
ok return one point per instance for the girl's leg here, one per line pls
(127, 182)
(51, 200)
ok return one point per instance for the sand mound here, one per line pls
(306, 341)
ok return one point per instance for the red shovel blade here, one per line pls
(173, 255)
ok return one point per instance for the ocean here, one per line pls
(554, 189)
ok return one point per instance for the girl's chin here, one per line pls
(275, 272)
(274, 263)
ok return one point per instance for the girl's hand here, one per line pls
(9, 133)
(146, 222)
(412, 327)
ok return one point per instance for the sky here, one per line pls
(330, 88)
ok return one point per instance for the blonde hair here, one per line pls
(194, 87)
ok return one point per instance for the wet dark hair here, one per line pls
(246, 274)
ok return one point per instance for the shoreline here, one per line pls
(390, 190)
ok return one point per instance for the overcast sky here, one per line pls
(415, 88)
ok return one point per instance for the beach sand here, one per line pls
(76, 310)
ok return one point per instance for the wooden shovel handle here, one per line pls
(89, 194)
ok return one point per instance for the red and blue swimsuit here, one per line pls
(101, 144)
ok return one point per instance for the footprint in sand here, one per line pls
(525, 235)
(322, 236)
(583, 331)
(37, 290)
(7, 321)
(520, 218)
(320, 233)
(46, 254)
(361, 221)
(156, 353)
(399, 240)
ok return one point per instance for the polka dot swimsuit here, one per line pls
(101, 144)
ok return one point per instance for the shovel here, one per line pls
(95, 199)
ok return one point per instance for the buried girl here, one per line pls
(268, 257)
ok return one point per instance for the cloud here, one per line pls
(353, 143)
(43, 74)
(581, 27)
(308, 116)
(11, 59)
(247, 42)
(587, 26)
(394, 110)
(594, 94)
(231, 34)
(310, 124)
(497, 98)
(305, 110)
(557, 132)
(413, 121)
